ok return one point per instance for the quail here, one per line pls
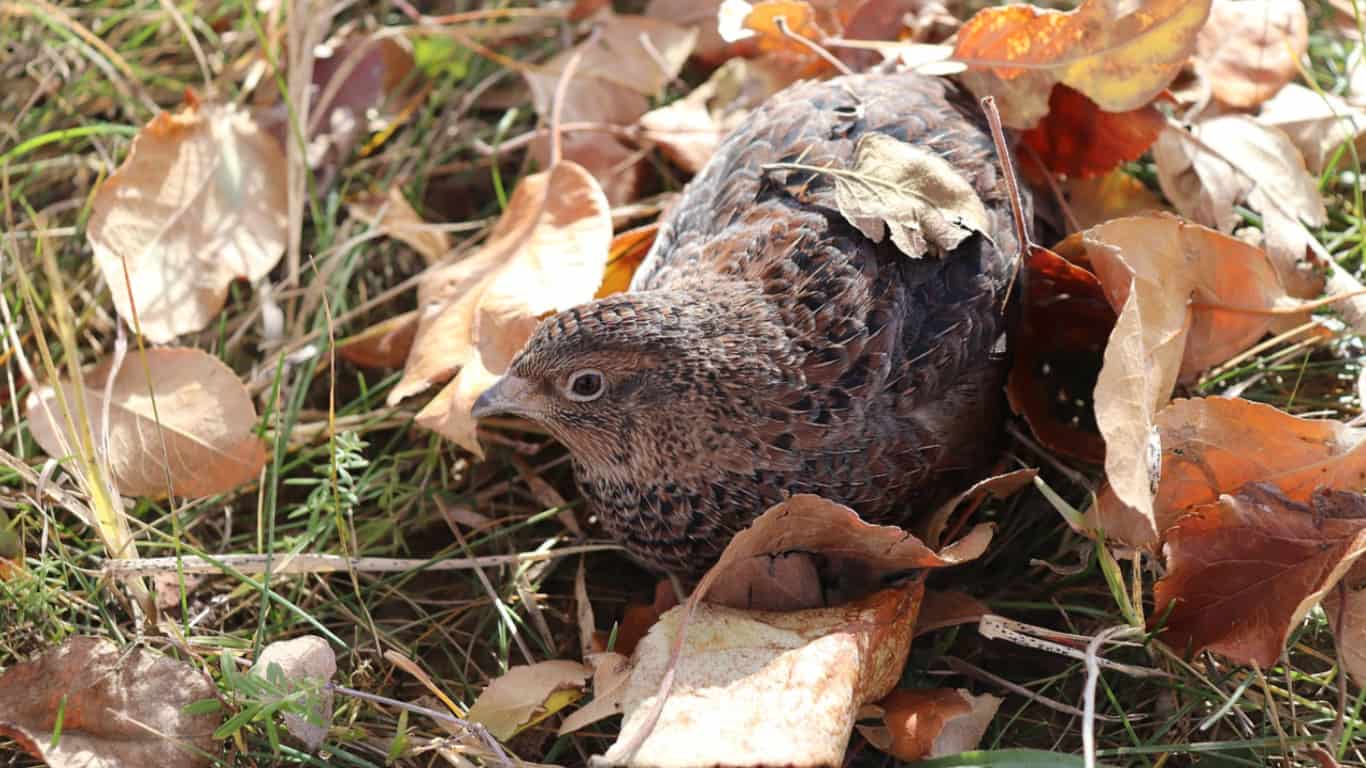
(767, 347)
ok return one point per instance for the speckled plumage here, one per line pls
(766, 347)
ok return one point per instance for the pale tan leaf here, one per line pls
(611, 673)
(1318, 124)
(1249, 49)
(510, 701)
(1347, 616)
(765, 688)
(395, 217)
(915, 193)
(199, 202)
(308, 664)
(202, 424)
(119, 707)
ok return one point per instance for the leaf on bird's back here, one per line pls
(1017, 52)
(913, 193)
(546, 254)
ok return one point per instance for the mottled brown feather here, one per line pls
(766, 347)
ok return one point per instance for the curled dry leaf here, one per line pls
(1017, 52)
(117, 708)
(520, 696)
(199, 438)
(1346, 608)
(307, 664)
(395, 217)
(547, 253)
(1079, 140)
(1233, 158)
(1187, 297)
(198, 203)
(931, 722)
(1317, 123)
(765, 688)
(1242, 572)
(855, 549)
(1250, 48)
(914, 193)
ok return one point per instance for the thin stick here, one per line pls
(561, 88)
(812, 46)
(1023, 243)
(319, 563)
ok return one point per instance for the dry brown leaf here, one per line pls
(1249, 49)
(765, 688)
(699, 15)
(1231, 159)
(931, 722)
(307, 664)
(198, 203)
(611, 673)
(1213, 446)
(1113, 196)
(1318, 124)
(996, 486)
(948, 608)
(1244, 571)
(917, 195)
(513, 699)
(1174, 286)
(1017, 52)
(385, 344)
(811, 524)
(395, 217)
(1346, 609)
(546, 254)
(206, 418)
(118, 708)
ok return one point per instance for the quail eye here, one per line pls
(587, 384)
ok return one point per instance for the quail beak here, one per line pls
(508, 395)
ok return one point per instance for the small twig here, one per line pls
(1023, 243)
(317, 563)
(812, 46)
(562, 87)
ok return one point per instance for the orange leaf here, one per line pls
(1078, 140)
(1251, 48)
(1115, 195)
(626, 252)
(1244, 571)
(385, 344)
(933, 722)
(800, 19)
(1017, 52)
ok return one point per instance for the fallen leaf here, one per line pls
(395, 217)
(940, 609)
(860, 551)
(1059, 342)
(1079, 140)
(916, 194)
(546, 254)
(1115, 195)
(117, 707)
(740, 20)
(202, 423)
(1186, 298)
(1214, 446)
(611, 673)
(385, 344)
(1017, 52)
(198, 203)
(765, 688)
(1249, 49)
(1346, 609)
(1233, 158)
(997, 486)
(699, 15)
(307, 664)
(1317, 123)
(931, 722)
(624, 255)
(513, 700)
(1242, 572)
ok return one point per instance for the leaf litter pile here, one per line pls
(257, 264)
